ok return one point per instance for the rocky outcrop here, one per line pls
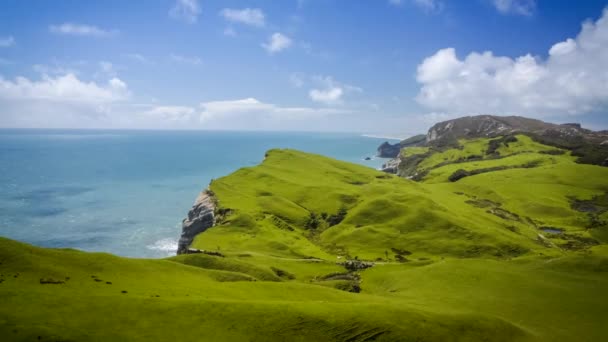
(391, 166)
(200, 218)
(387, 150)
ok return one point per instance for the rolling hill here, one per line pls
(499, 238)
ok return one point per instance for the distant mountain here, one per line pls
(591, 147)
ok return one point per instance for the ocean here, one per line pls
(126, 192)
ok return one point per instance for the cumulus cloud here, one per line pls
(80, 30)
(329, 91)
(58, 101)
(276, 43)
(247, 16)
(7, 41)
(571, 80)
(520, 7)
(186, 10)
(66, 88)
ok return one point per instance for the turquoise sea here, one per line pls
(126, 192)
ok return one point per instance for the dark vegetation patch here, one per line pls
(574, 241)
(282, 273)
(44, 281)
(400, 254)
(345, 281)
(588, 152)
(355, 264)
(513, 229)
(279, 223)
(202, 251)
(460, 173)
(349, 286)
(341, 276)
(594, 207)
(500, 251)
(504, 214)
(221, 214)
(323, 220)
(553, 152)
(483, 203)
(495, 144)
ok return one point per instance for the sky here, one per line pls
(386, 67)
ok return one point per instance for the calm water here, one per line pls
(126, 192)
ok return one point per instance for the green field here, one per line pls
(516, 253)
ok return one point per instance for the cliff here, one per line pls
(387, 150)
(200, 218)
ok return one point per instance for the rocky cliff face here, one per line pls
(387, 150)
(200, 218)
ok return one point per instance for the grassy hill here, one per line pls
(516, 252)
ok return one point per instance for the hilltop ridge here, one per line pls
(590, 146)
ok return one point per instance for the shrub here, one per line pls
(458, 174)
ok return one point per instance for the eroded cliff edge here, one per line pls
(200, 218)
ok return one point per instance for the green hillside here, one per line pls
(516, 251)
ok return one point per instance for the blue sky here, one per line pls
(372, 66)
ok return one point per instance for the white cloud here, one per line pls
(193, 60)
(329, 91)
(521, 7)
(186, 10)
(247, 16)
(563, 48)
(330, 95)
(571, 80)
(7, 41)
(66, 88)
(80, 30)
(277, 42)
(251, 108)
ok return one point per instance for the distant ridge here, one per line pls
(590, 146)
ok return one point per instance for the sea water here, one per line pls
(126, 192)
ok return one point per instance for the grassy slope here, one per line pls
(473, 274)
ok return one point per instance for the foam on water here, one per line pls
(167, 245)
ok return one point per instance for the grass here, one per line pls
(454, 261)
